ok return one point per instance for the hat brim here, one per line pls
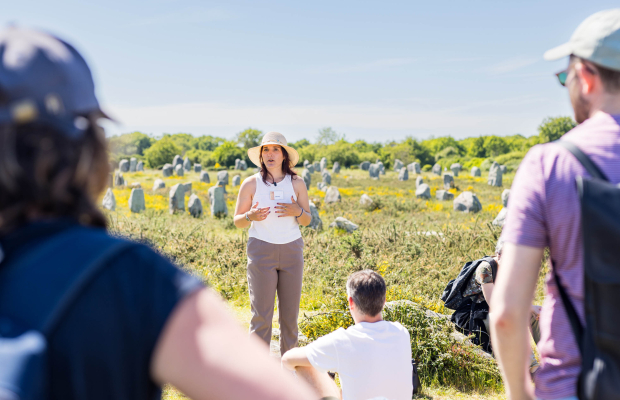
(254, 154)
(556, 53)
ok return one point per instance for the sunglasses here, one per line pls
(562, 75)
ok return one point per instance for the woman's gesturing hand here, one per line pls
(258, 214)
(292, 209)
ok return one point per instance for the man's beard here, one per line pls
(581, 107)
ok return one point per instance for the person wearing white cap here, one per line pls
(273, 203)
(545, 211)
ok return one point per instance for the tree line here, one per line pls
(219, 152)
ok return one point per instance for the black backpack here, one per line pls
(599, 340)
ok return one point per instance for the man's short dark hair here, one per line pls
(367, 288)
(609, 77)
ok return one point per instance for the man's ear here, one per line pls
(351, 303)
(587, 80)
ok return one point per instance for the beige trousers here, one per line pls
(275, 268)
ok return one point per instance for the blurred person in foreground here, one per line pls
(372, 357)
(137, 321)
(545, 211)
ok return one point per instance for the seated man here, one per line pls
(372, 357)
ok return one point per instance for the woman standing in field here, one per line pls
(273, 203)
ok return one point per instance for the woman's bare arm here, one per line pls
(302, 199)
(204, 353)
(244, 204)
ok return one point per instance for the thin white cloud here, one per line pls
(376, 65)
(511, 65)
(188, 15)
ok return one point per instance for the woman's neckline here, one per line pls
(274, 182)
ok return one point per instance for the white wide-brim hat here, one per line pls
(273, 138)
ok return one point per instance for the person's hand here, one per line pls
(536, 311)
(258, 214)
(288, 209)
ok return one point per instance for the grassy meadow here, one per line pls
(392, 240)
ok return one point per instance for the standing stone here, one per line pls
(403, 174)
(418, 181)
(133, 163)
(194, 206)
(306, 163)
(222, 176)
(467, 202)
(437, 169)
(179, 170)
(310, 168)
(188, 188)
(317, 166)
(323, 164)
(236, 180)
(118, 179)
(307, 177)
(176, 198)
(381, 168)
(475, 171)
(332, 195)
(444, 195)
(204, 177)
(197, 168)
(455, 168)
(505, 195)
(140, 166)
(495, 175)
(423, 191)
(345, 224)
(448, 181)
(217, 198)
(177, 161)
(503, 168)
(238, 163)
(501, 217)
(414, 167)
(364, 166)
(316, 222)
(398, 165)
(109, 201)
(123, 166)
(187, 165)
(327, 177)
(366, 200)
(167, 170)
(158, 184)
(136, 201)
(322, 186)
(373, 171)
(336, 168)
(243, 165)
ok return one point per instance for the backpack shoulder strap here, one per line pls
(40, 286)
(587, 163)
(573, 317)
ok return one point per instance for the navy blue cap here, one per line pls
(44, 79)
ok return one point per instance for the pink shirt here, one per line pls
(543, 211)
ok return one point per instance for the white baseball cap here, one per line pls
(597, 39)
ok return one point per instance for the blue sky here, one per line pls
(370, 70)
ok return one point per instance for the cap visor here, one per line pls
(556, 53)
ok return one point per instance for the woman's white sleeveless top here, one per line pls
(274, 229)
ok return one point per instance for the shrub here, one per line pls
(227, 153)
(162, 152)
(427, 168)
(512, 156)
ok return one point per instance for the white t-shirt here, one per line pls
(372, 360)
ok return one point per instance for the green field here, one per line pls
(392, 240)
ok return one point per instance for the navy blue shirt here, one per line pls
(102, 346)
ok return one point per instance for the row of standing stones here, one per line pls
(177, 194)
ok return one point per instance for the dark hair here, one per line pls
(609, 77)
(46, 174)
(367, 288)
(286, 166)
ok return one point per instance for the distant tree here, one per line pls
(183, 140)
(553, 128)
(476, 147)
(249, 138)
(435, 145)
(327, 136)
(227, 153)
(162, 152)
(130, 143)
(300, 144)
(207, 142)
(495, 145)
